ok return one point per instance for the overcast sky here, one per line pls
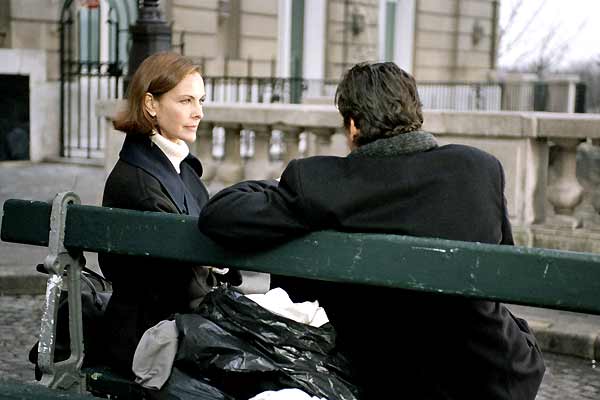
(576, 23)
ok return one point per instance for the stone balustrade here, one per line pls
(540, 152)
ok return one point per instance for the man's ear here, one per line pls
(150, 104)
(353, 132)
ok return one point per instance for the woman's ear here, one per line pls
(149, 104)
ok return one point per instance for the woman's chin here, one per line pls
(188, 137)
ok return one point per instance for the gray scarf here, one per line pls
(404, 143)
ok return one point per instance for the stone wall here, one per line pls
(34, 25)
(454, 40)
(248, 30)
(342, 41)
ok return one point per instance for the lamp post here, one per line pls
(150, 34)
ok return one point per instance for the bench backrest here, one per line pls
(537, 277)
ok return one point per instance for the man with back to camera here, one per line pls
(396, 179)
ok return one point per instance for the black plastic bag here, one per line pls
(182, 387)
(243, 349)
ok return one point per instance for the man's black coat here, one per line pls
(146, 290)
(403, 344)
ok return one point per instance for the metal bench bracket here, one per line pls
(64, 267)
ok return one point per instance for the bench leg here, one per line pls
(65, 375)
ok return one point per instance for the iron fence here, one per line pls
(267, 90)
(456, 96)
(93, 61)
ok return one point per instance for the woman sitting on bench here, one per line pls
(155, 172)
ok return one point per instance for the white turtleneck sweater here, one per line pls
(175, 152)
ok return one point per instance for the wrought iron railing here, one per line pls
(267, 90)
(458, 96)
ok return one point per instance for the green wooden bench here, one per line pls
(536, 277)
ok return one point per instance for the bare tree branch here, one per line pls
(517, 38)
(538, 47)
(513, 14)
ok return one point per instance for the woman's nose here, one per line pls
(198, 112)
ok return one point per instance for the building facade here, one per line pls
(436, 40)
(74, 52)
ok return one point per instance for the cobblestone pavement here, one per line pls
(19, 327)
(567, 378)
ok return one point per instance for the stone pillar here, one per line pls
(259, 166)
(230, 169)
(565, 193)
(203, 149)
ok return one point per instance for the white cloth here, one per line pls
(278, 302)
(155, 354)
(285, 394)
(175, 152)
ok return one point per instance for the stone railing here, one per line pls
(552, 202)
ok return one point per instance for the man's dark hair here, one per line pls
(381, 98)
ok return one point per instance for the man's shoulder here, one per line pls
(318, 163)
(316, 160)
(468, 152)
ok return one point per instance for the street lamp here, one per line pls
(150, 34)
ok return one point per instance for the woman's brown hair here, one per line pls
(156, 75)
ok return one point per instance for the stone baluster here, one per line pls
(565, 193)
(310, 144)
(259, 166)
(230, 169)
(595, 172)
(203, 150)
(339, 143)
(588, 173)
(323, 140)
(291, 138)
(291, 142)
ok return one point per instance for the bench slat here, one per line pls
(537, 277)
(26, 221)
(549, 278)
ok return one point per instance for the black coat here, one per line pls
(402, 343)
(146, 290)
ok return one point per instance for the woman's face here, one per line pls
(179, 111)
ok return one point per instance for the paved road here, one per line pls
(25, 180)
(567, 378)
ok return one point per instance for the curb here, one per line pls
(13, 285)
(566, 341)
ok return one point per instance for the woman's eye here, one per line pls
(186, 101)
